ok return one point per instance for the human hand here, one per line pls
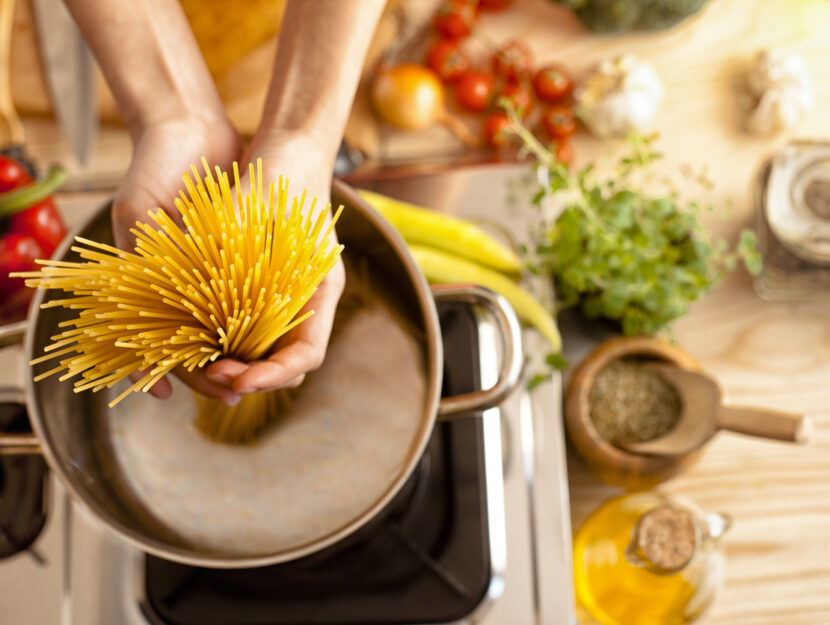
(163, 152)
(303, 349)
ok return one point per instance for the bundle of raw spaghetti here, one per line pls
(241, 423)
(227, 285)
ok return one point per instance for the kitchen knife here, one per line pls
(69, 71)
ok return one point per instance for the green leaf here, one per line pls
(536, 380)
(556, 360)
(748, 252)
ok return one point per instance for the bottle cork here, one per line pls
(667, 537)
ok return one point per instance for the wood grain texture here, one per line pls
(775, 355)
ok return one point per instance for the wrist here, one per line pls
(172, 115)
(315, 150)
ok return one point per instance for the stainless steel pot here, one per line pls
(314, 480)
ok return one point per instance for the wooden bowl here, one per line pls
(612, 464)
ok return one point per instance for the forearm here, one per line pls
(322, 45)
(150, 59)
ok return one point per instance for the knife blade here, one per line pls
(69, 70)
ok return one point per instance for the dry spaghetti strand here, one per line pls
(228, 285)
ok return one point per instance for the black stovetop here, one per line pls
(23, 488)
(425, 559)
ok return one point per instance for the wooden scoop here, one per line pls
(704, 414)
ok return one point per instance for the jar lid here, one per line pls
(667, 537)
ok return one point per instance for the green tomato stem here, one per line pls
(24, 197)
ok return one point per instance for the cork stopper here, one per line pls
(667, 537)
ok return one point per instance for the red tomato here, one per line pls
(493, 130)
(552, 84)
(513, 61)
(455, 18)
(558, 121)
(474, 90)
(43, 223)
(520, 97)
(564, 152)
(446, 60)
(494, 5)
(12, 174)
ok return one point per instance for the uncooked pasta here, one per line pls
(241, 423)
(228, 283)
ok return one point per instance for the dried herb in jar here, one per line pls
(630, 403)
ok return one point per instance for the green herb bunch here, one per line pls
(620, 252)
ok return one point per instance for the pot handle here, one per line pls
(23, 443)
(511, 366)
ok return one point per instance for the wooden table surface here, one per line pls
(775, 355)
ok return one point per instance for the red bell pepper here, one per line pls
(42, 222)
(33, 229)
(18, 252)
(12, 174)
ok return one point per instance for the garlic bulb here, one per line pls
(623, 94)
(781, 90)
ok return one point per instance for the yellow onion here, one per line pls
(411, 97)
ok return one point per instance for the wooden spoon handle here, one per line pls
(782, 426)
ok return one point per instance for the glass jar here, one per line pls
(648, 559)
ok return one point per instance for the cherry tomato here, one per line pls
(17, 253)
(494, 5)
(564, 152)
(558, 121)
(12, 174)
(455, 18)
(513, 61)
(474, 90)
(520, 97)
(43, 223)
(552, 84)
(446, 60)
(493, 130)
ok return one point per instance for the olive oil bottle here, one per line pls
(647, 559)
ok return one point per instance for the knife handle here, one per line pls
(11, 130)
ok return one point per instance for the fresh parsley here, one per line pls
(626, 247)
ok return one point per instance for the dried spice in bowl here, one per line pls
(630, 403)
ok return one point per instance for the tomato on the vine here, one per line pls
(559, 121)
(455, 18)
(564, 152)
(445, 59)
(493, 130)
(552, 84)
(512, 61)
(519, 97)
(474, 90)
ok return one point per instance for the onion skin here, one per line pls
(408, 96)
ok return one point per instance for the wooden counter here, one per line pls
(775, 355)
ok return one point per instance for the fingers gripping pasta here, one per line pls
(228, 284)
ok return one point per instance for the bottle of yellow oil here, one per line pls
(647, 559)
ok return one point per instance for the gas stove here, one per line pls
(480, 534)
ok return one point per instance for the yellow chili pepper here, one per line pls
(422, 226)
(442, 268)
